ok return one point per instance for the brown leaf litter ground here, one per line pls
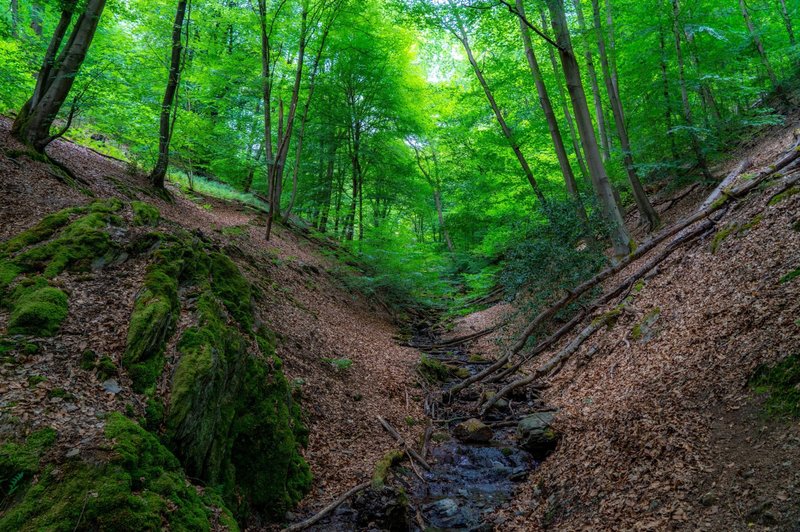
(660, 430)
(313, 313)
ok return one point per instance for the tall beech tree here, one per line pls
(62, 62)
(168, 107)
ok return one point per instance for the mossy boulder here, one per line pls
(144, 213)
(473, 430)
(536, 435)
(136, 485)
(38, 312)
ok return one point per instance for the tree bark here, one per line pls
(759, 44)
(165, 129)
(602, 130)
(36, 17)
(14, 18)
(687, 109)
(646, 211)
(667, 100)
(33, 123)
(461, 34)
(552, 122)
(620, 238)
(787, 21)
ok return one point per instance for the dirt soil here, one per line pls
(304, 300)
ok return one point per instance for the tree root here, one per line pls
(328, 509)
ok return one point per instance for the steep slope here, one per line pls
(175, 314)
(660, 428)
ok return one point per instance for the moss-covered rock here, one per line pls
(144, 213)
(37, 309)
(140, 487)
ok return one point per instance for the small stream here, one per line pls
(467, 483)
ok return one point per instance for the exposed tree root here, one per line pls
(328, 509)
(726, 197)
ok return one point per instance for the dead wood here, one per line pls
(328, 509)
(725, 183)
(412, 454)
(726, 197)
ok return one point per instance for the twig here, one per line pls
(411, 452)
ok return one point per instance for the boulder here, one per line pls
(473, 431)
(536, 435)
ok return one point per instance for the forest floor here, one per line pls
(659, 428)
(316, 316)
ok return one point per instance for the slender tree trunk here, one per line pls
(706, 94)
(787, 21)
(667, 99)
(687, 109)
(36, 17)
(602, 130)
(576, 143)
(620, 238)
(327, 192)
(432, 176)
(165, 131)
(461, 35)
(552, 122)
(759, 44)
(647, 213)
(14, 18)
(33, 123)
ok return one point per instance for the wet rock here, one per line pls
(499, 405)
(385, 509)
(536, 436)
(473, 431)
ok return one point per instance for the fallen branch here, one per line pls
(641, 251)
(328, 509)
(414, 455)
(461, 339)
(731, 177)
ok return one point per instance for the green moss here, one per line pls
(33, 380)
(43, 230)
(643, 328)
(88, 360)
(234, 230)
(8, 272)
(144, 213)
(232, 288)
(734, 229)
(383, 466)
(141, 487)
(38, 311)
(433, 370)
(20, 461)
(781, 385)
(784, 195)
(106, 368)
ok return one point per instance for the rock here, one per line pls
(500, 404)
(473, 431)
(73, 452)
(536, 436)
(708, 499)
(112, 386)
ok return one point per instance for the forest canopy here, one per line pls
(451, 144)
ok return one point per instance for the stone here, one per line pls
(473, 431)
(708, 499)
(112, 386)
(73, 452)
(536, 436)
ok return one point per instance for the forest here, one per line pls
(460, 186)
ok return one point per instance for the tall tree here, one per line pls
(429, 166)
(460, 33)
(35, 119)
(754, 34)
(620, 238)
(550, 117)
(168, 103)
(602, 131)
(647, 213)
(687, 108)
(787, 21)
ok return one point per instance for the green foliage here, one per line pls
(781, 385)
(339, 364)
(144, 213)
(141, 487)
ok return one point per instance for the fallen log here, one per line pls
(328, 509)
(725, 183)
(726, 197)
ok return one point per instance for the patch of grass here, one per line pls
(791, 275)
(339, 364)
(781, 385)
(216, 189)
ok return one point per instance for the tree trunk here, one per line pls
(33, 123)
(620, 238)
(461, 35)
(552, 122)
(687, 109)
(759, 44)
(667, 99)
(14, 18)
(706, 94)
(602, 130)
(787, 21)
(165, 129)
(36, 17)
(646, 211)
